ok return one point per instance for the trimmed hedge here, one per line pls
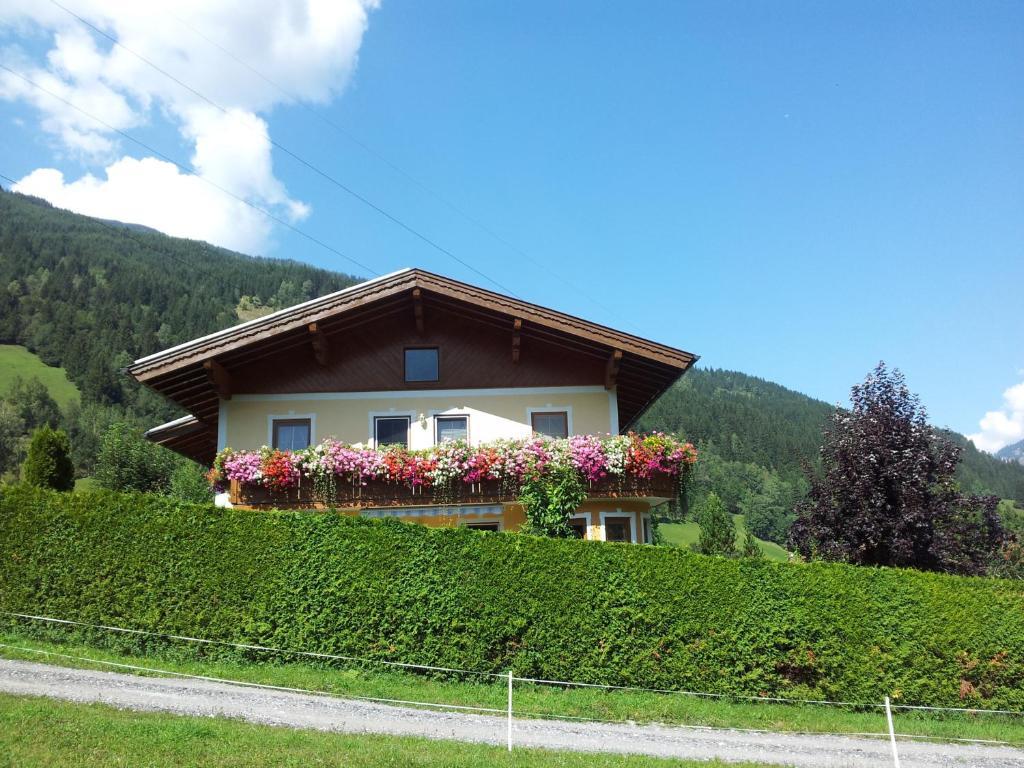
(563, 609)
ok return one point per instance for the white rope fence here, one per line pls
(887, 706)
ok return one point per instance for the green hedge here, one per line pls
(563, 609)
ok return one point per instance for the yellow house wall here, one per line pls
(245, 419)
(512, 516)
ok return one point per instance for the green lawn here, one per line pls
(534, 700)
(36, 732)
(17, 361)
(686, 534)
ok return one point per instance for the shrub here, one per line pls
(48, 463)
(129, 462)
(188, 483)
(554, 608)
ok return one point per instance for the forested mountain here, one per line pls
(1013, 452)
(91, 296)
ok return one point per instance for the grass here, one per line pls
(36, 732)
(686, 534)
(534, 700)
(85, 484)
(17, 361)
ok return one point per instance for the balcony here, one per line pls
(337, 475)
(387, 493)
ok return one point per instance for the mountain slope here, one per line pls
(90, 296)
(1013, 452)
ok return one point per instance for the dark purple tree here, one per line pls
(886, 494)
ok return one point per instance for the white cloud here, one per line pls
(1005, 426)
(309, 47)
(157, 194)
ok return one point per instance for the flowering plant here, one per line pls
(442, 468)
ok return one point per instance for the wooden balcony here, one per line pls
(382, 493)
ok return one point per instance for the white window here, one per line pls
(618, 526)
(489, 525)
(391, 430)
(580, 524)
(291, 434)
(447, 428)
(550, 423)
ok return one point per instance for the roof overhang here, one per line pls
(189, 374)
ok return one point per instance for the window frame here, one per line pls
(551, 410)
(437, 417)
(405, 364)
(588, 521)
(276, 420)
(630, 517)
(485, 525)
(395, 416)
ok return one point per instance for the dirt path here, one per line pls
(198, 697)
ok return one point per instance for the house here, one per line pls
(409, 361)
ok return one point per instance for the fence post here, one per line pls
(510, 710)
(892, 734)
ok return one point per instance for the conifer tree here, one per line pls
(48, 463)
(717, 532)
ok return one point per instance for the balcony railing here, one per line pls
(382, 493)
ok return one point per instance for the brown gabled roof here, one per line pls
(187, 374)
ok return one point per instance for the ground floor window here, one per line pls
(647, 529)
(485, 526)
(580, 525)
(618, 528)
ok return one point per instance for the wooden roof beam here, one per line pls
(219, 378)
(611, 369)
(321, 349)
(417, 310)
(517, 326)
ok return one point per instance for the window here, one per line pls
(391, 430)
(421, 364)
(291, 434)
(447, 428)
(580, 525)
(550, 423)
(485, 526)
(618, 529)
(647, 529)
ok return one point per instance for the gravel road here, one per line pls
(198, 697)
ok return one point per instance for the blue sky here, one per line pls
(793, 190)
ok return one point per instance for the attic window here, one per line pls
(421, 364)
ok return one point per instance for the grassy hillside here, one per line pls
(686, 534)
(16, 361)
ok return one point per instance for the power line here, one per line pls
(191, 172)
(397, 169)
(295, 156)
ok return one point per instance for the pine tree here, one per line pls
(750, 546)
(48, 463)
(717, 532)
